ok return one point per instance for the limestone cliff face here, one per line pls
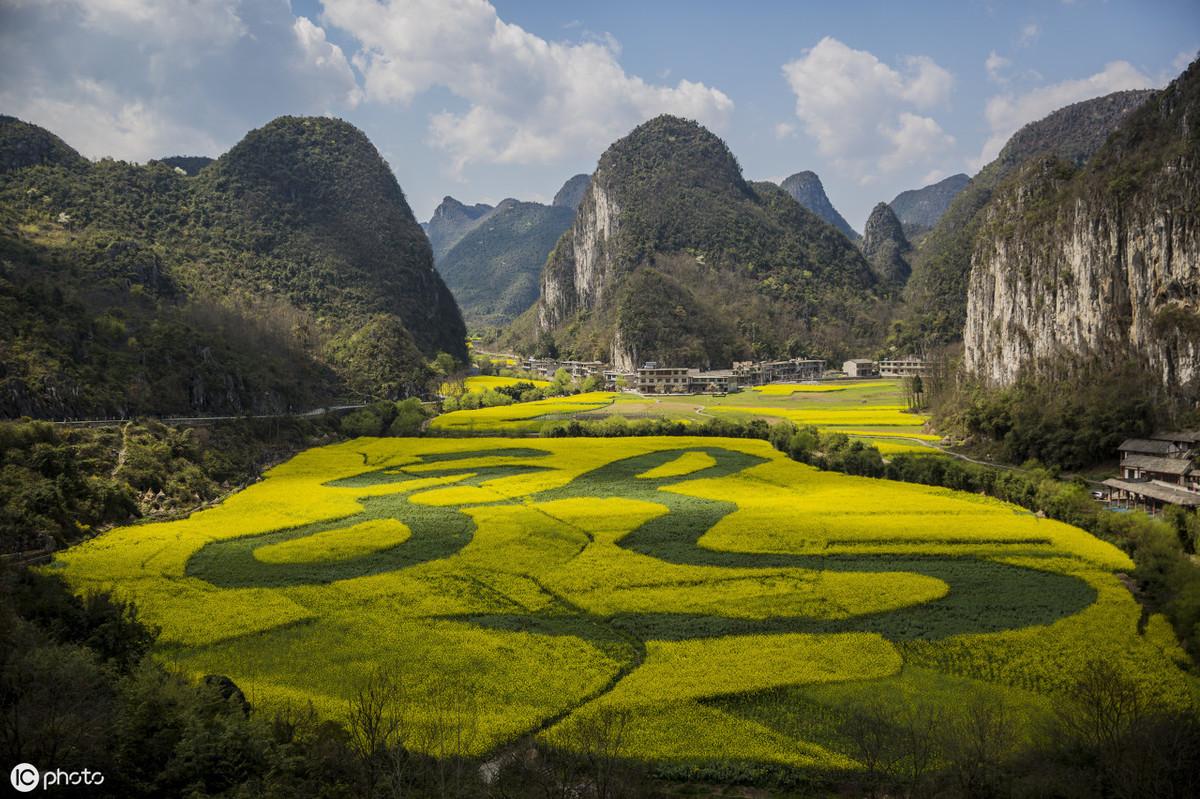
(1098, 266)
(583, 264)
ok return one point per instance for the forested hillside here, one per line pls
(674, 256)
(289, 271)
(493, 270)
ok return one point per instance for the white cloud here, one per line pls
(327, 58)
(860, 110)
(933, 176)
(1006, 113)
(916, 139)
(995, 66)
(1182, 60)
(784, 130)
(99, 122)
(141, 79)
(528, 100)
(1029, 34)
(210, 23)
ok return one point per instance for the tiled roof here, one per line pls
(1146, 446)
(1160, 491)
(1161, 465)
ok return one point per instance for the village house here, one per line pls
(543, 368)
(611, 377)
(758, 373)
(1156, 472)
(860, 367)
(582, 370)
(719, 381)
(655, 379)
(902, 367)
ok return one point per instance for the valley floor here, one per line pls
(718, 601)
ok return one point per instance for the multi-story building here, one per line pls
(655, 379)
(860, 367)
(757, 373)
(718, 381)
(581, 370)
(902, 367)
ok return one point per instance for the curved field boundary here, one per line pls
(983, 596)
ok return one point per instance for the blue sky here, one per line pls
(488, 100)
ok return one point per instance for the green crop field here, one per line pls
(872, 409)
(736, 603)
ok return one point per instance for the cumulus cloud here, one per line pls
(210, 23)
(784, 130)
(528, 100)
(995, 66)
(141, 79)
(1007, 113)
(327, 59)
(913, 140)
(861, 111)
(99, 122)
(1029, 34)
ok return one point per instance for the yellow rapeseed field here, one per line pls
(552, 579)
(521, 417)
(481, 383)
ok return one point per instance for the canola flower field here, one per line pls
(872, 409)
(721, 593)
(523, 417)
(480, 383)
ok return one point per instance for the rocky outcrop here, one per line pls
(1074, 268)
(451, 221)
(806, 189)
(936, 295)
(586, 265)
(674, 257)
(919, 209)
(571, 193)
(885, 247)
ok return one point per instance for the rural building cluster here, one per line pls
(658, 378)
(1156, 472)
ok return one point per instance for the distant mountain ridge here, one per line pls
(451, 221)
(190, 164)
(919, 209)
(493, 270)
(287, 272)
(806, 189)
(674, 257)
(571, 193)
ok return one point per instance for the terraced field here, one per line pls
(736, 603)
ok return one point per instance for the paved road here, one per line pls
(174, 420)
